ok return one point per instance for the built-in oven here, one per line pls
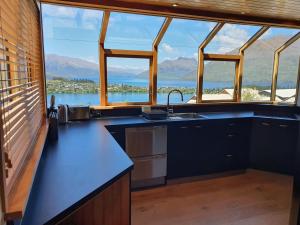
(147, 147)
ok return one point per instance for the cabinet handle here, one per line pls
(265, 124)
(230, 135)
(183, 127)
(114, 132)
(198, 126)
(283, 125)
(231, 124)
(228, 155)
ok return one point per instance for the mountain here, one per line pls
(70, 68)
(258, 64)
(257, 68)
(176, 69)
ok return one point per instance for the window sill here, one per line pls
(18, 197)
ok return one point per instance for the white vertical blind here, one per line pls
(21, 90)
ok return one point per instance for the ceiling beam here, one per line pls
(257, 35)
(105, 21)
(177, 12)
(211, 35)
(162, 32)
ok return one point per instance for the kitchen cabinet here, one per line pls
(208, 146)
(273, 144)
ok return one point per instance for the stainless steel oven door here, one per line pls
(149, 167)
(146, 141)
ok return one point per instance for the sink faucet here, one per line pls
(170, 110)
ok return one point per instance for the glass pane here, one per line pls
(127, 80)
(231, 38)
(288, 73)
(132, 31)
(218, 80)
(258, 64)
(178, 59)
(71, 48)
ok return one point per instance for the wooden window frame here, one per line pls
(112, 53)
(153, 68)
(223, 58)
(276, 67)
(151, 55)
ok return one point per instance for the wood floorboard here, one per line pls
(253, 198)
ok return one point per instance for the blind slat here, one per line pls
(21, 80)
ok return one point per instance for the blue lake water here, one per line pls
(94, 99)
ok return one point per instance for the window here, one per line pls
(288, 73)
(178, 59)
(231, 38)
(132, 31)
(71, 49)
(218, 80)
(128, 80)
(258, 64)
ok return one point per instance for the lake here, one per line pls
(94, 99)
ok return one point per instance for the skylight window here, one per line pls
(258, 65)
(132, 31)
(231, 38)
(178, 58)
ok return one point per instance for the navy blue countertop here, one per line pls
(84, 161)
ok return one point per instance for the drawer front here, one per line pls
(146, 141)
(149, 167)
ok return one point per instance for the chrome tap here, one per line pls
(170, 110)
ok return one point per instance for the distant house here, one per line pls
(282, 95)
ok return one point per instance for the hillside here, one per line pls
(258, 66)
(71, 68)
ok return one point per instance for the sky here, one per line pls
(74, 32)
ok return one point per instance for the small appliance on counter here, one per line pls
(68, 113)
(78, 112)
(62, 114)
(154, 114)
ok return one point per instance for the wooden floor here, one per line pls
(253, 198)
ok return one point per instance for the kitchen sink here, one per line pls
(185, 116)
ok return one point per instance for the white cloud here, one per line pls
(230, 38)
(195, 55)
(90, 19)
(267, 34)
(167, 48)
(92, 59)
(59, 11)
(210, 25)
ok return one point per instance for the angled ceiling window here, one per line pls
(71, 49)
(231, 38)
(258, 64)
(178, 59)
(288, 73)
(132, 31)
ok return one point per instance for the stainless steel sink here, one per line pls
(185, 116)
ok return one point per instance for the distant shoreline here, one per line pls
(85, 86)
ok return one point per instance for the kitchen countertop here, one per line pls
(85, 160)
